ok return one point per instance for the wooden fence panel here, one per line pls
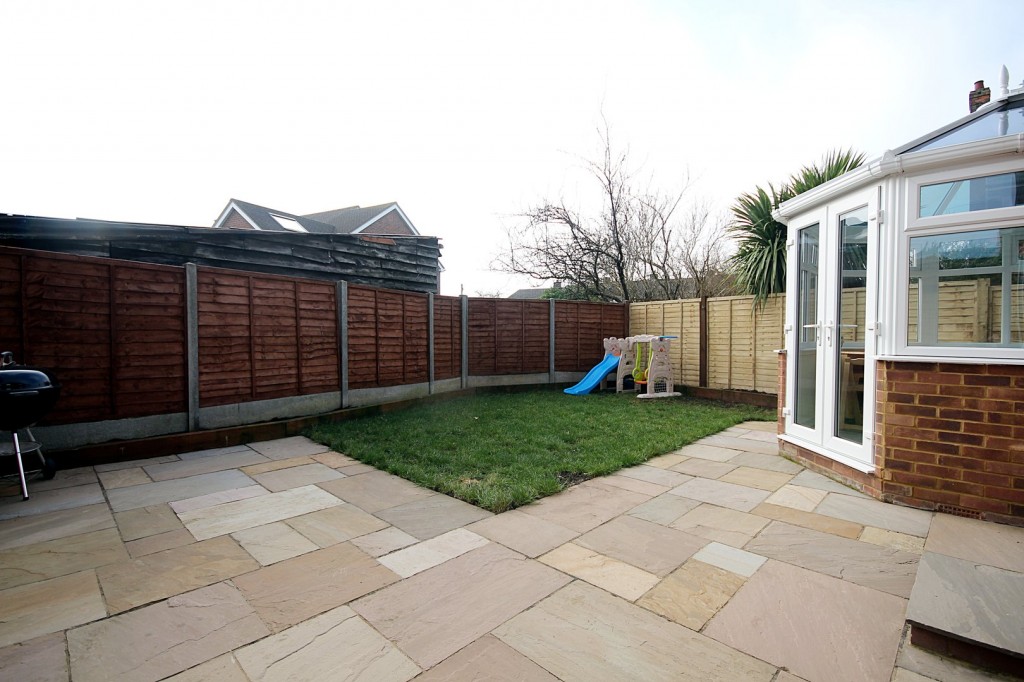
(225, 337)
(318, 337)
(482, 332)
(679, 318)
(388, 337)
(741, 344)
(113, 332)
(580, 329)
(447, 337)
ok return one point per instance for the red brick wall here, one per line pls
(236, 221)
(952, 437)
(389, 223)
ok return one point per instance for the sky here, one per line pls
(465, 113)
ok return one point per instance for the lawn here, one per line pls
(503, 450)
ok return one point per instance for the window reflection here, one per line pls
(971, 194)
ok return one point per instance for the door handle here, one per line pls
(817, 331)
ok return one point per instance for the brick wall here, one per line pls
(951, 437)
(389, 223)
(235, 220)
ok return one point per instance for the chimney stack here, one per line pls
(979, 96)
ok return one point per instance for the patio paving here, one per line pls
(283, 560)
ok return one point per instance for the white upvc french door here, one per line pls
(830, 337)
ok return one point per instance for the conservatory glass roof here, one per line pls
(1006, 119)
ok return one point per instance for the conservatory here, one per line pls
(903, 369)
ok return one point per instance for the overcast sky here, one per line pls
(465, 113)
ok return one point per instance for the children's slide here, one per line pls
(595, 376)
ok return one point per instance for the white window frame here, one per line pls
(969, 221)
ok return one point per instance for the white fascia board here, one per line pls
(889, 164)
(389, 209)
(232, 205)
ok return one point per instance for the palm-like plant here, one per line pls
(760, 258)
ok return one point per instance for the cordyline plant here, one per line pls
(759, 263)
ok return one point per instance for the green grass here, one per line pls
(501, 451)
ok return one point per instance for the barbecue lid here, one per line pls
(16, 378)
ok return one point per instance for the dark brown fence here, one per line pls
(263, 337)
(113, 331)
(117, 335)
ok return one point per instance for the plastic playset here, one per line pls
(641, 364)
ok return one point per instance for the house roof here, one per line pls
(263, 218)
(355, 218)
(996, 127)
(530, 294)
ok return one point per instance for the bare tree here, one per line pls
(639, 247)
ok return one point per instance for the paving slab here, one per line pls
(336, 524)
(213, 452)
(286, 448)
(817, 627)
(384, 541)
(890, 538)
(666, 461)
(664, 509)
(523, 533)
(646, 545)
(771, 427)
(214, 499)
(124, 499)
(795, 517)
(28, 530)
(932, 666)
(879, 568)
(224, 668)
(64, 478)
(692, 594)
(757, 478)
(650, 474)
(274, 542)
(705, 468)
(812, 479)
(122, 478)
(337, 645)
(708, 451)
(987, 543)
(135, 463)
(738, 497)
(203, 465)
(488, 658)
(296, 476)
(44, 560)
(376, 490)
(878, 514)
(158, 543)
(582, 508)
(767, 462)
(969, 601)
(618, 577)
(146, 521)
(334, 459)
(731, 559)
(563, 632)
(797, 497)
(634, 485)
(720, 524)
(234, 516)
(430, 516)
(743, 444)
(293, 590)
(165, 638)
(433, 552)
(132, 583)
(275, 464)
(49, 606)
(435, 613)
(43, 659)
(47, 501)
(356, 468)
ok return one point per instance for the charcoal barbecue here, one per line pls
(26, 395)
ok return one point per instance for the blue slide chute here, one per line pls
(595, 376)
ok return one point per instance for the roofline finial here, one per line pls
(1004, 82)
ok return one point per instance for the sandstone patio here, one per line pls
(282, 560)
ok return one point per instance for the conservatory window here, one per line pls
(971, 194)
(967, 289)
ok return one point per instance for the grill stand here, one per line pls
(47, 467)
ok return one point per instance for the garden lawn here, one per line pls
(503, 450)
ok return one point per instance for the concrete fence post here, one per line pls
(430, 344)
(192, 343)
(341, 295)
(464, 319)
(551, 341)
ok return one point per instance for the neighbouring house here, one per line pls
(410, 262)
(385, 219)
(903, 368)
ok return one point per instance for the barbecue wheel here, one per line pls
(49, 468)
